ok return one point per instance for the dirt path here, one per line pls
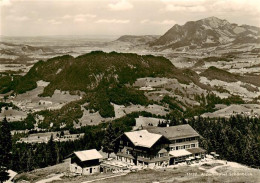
(213, 170)
(224, 164)
(56, 177)
(105, 178)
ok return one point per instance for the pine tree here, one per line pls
(108, 145)
(52, 155)
(5, 152)
(30, 159)
(57, 150)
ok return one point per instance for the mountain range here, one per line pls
(206, 32)
(124, 79)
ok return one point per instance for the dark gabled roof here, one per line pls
(173, 132)
(196, 150)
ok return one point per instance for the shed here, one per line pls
(85, 162)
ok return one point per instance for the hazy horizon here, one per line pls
(27, 18)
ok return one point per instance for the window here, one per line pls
(192, 145)
(121, 142)
(179, 140)
(187, 146)
(177, 148)
(173, 148)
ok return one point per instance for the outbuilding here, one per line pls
(86, 162)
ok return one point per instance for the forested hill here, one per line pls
(103, 77)
(219, 74)
(97, 69)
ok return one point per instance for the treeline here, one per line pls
(68, 114)
(207, 102)
(119, 94)
(27, 123)
(27, 157)
(7, 105)
(235, 139)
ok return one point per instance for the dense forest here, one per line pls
(235, 139)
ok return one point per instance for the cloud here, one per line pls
(168, 22)
(66, 17)
(17, 18)
(78, 17)
(121, 5)
(171, 7)
(163, 22)
(117, 21)
(54, 22)
(83, 17)
(248, 6)
(22, 18)
(185, 3)
(227, 6)
(144, 21)
(5, 3)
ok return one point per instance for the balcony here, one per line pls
(152, 160)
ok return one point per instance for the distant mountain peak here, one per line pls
(213, 18)
(210, 31)
(214, 22)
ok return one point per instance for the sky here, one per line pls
(116, 17)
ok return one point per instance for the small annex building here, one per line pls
(86, 162)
